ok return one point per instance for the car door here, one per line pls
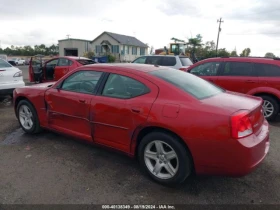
(35, 69)
(62, 68)
(140, 60)
(122, 105)
(49, 69)
(208, 71)
(153, 60)
(68, 105)
(238, 76)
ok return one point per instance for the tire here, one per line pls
(271, 104)
(183, 158)
(26, 108)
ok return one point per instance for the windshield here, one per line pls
(189, 83)
(86, 62)
(4, 64)
(186, 61)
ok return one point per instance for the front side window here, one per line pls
(237, 69)
(82, 82)
(267, 70)
(141, 60)
(197, 87)
(52, 63)
(64, 62)
(154, 60)
(206, 69)
(118, 86)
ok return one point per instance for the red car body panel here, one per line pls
(252, 85)
(203, 125)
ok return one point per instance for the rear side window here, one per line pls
(267, 70)
(189, 83)
(168, 61)
(4, 64)
(86, 62)
(64, 62)
(237, 69)
(186, 61)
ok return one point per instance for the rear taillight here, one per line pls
(18, 74)
(241, 125)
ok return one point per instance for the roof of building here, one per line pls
(123, 39)
(84, 40)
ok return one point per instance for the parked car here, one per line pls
(27, 61)
(13, 63)
(54, 69)
(4, 57)
(10, 78)
(20, 62)
(253, 76)
(132, 108)
(172, 61)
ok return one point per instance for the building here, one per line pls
(73, 47)
(124, 48)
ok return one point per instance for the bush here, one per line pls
(111, 58)
(89, 54)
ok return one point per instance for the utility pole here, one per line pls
(219, 21)
(68, 35)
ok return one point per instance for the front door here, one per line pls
(69, 104)
(62, 68)
(207, 71)
(35, 69)
(238, 77)
(122, 106)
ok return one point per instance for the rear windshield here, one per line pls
(186, 61)
(189, 83)
(4, 64)
(86, 62)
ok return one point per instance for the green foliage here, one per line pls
(89, 54)
(246, 52)
(233, 53)
(269, 55)
(29, 50)
(111, 58)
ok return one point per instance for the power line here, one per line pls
(219, 30)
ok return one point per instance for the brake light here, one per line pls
(18, 74)
(241, 125)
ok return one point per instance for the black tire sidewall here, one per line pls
(36, 125)
(184, 158)
(275, 105)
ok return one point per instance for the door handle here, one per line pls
(251, 81)
(136, 110)
(82, 100)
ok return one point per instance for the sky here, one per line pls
(247, 23)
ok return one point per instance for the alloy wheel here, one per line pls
(25, 117)
(268, 108)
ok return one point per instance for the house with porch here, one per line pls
(123, 48)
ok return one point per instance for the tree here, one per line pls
(151, 50)
(233, 53)
(194, 43)
(246, 52)
(223, 52)
(269, 55)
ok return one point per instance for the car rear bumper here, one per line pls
(240, 157)
(8, 88)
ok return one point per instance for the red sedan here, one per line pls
(55, 68)
(175, 123)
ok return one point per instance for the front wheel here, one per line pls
(27, 117)
(164, 158)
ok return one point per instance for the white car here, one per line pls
(10, 78)
(20, 62)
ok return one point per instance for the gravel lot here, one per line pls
(52, 169)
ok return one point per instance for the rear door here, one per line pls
(208, 71)
(62, 68)
(238, 77)
(122, 105)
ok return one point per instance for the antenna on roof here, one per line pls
(68, 35)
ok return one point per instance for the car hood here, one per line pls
(232, 101)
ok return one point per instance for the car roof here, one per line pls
(128, 67)
(244, 59)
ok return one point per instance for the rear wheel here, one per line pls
(164, 158)
(270, 107)
(27, 117)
